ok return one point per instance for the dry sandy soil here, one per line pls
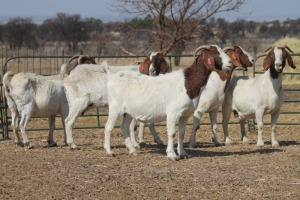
(239, 171)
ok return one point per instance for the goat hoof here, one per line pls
(52, 144)
(19, 143)
(110, 154)
(245, 140)
(185, 156)
(260, 144)
(133, 153)
(217, 144)
(27, 145)
(72, 146)
(193, 145)
(142, 144)
(275, 144)
(176, 158)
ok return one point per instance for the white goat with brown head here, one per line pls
(172, 97)
(255, 97)
(86, 87)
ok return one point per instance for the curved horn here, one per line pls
(268, 49)
(288, 48)
(85, 59)
(200, 48)
(228, 48)
(74, 57)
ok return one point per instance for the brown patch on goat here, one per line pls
(86, 60)
(144, 67)
(160, 64)
(197, 74)
(239, 59)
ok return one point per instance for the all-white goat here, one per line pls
(172, 97)
(256, 97)
(30, 95)
(86, 87)
(213, 95)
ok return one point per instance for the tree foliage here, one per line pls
(19, 32)
(69, 29)
(177, 21)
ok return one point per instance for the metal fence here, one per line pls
(36, 64)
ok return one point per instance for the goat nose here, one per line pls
(278, 65)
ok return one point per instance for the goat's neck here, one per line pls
(275, 79)
(226, 77)
(196, 77)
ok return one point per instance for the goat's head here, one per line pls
(83, 59)
(277, 57)
(214, 58)
(240, 57)
(154, 64)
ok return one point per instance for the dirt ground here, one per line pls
(239, 171)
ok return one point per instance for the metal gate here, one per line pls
(34, 64)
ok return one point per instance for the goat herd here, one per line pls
(146, 93)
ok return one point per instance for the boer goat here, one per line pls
(86, 87)
(172, 97)
(30, 95)
(74, 61)
(213, 95)
(156, 59)
(256, 97)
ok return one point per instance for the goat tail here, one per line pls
(106, 68)
(6, 81)
(63, 71)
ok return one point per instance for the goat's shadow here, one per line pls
(201, 152)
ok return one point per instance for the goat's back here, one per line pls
(44, 95)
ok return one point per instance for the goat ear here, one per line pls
(144, 67)
(236, 61)
(267, 62)
(290, 61)
(164, 67)
(208, 60)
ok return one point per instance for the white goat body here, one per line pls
(154, 99)
(213, 95)
(30, 95)
(86, 87)
(255, 97)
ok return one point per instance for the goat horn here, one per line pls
(74, 57)
(288, 48)
(228, 48)
(200, 48)
(268, 49)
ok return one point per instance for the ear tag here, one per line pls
(209, 61)
(233, 56)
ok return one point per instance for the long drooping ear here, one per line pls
(208, 60)
(164, 67)
(290, 61)
(236, 61)
(267, 62)
(144, 67)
